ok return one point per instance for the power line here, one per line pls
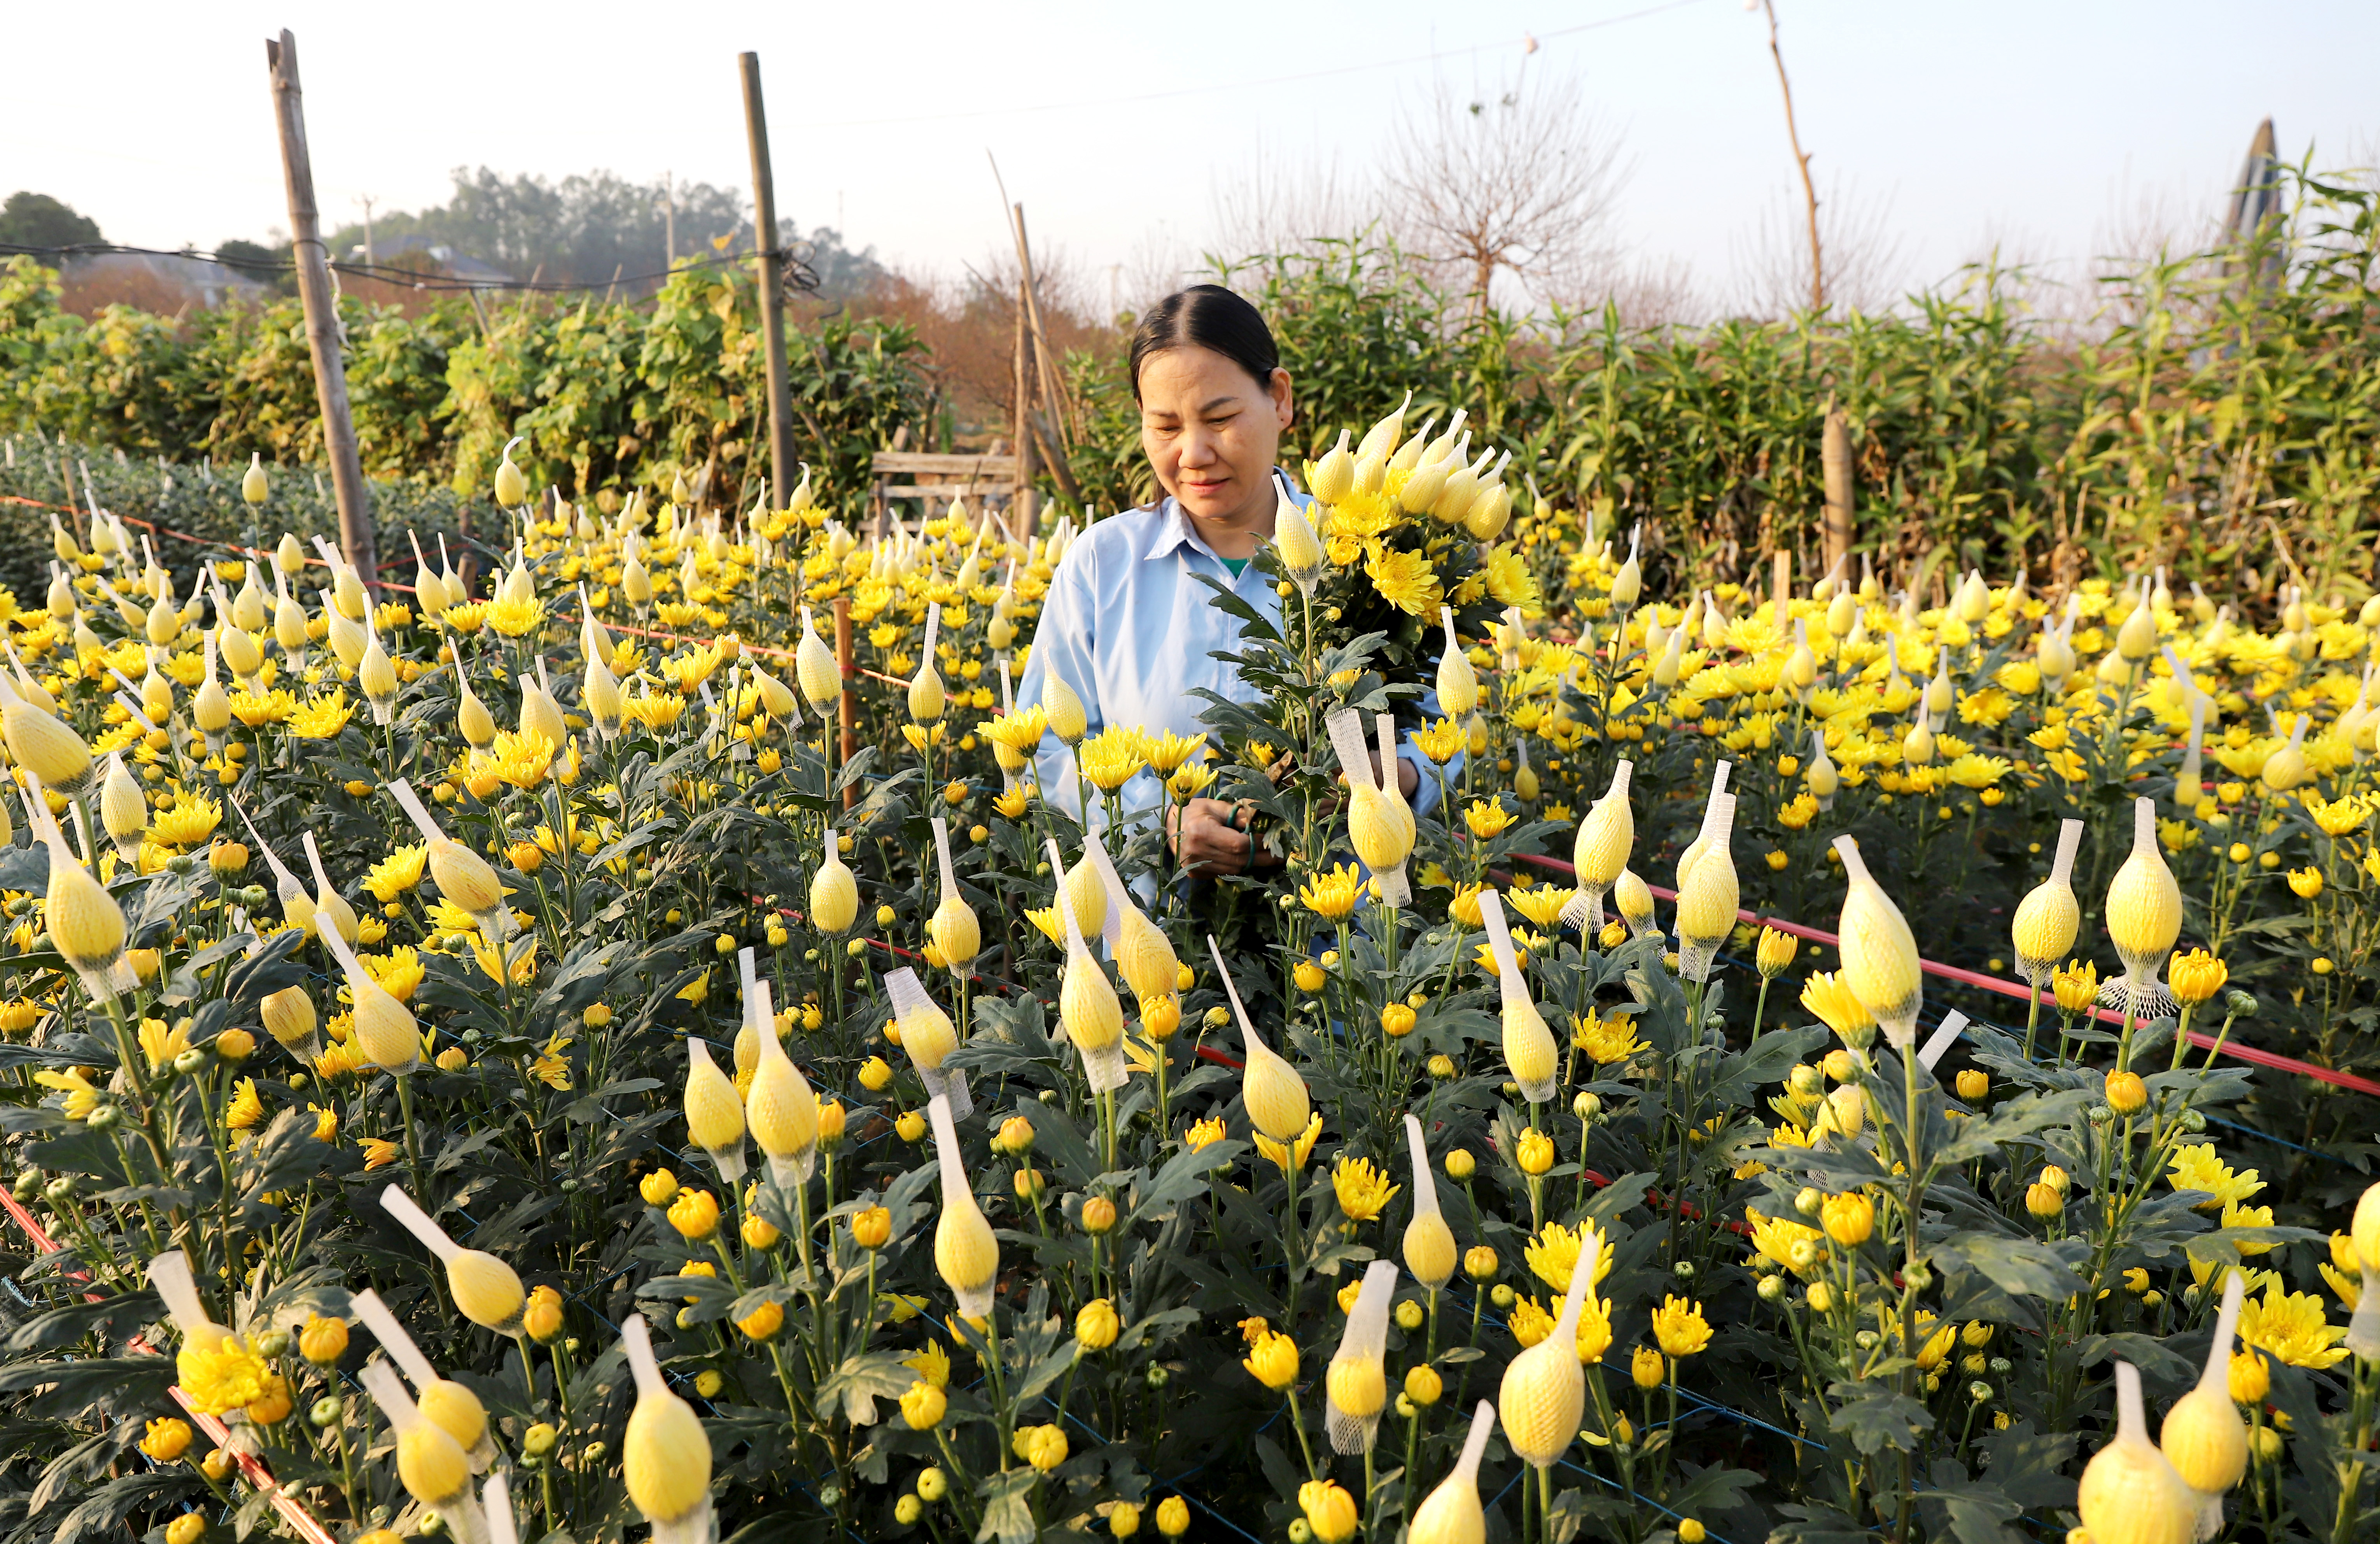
(1135, 98)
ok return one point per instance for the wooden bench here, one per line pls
(935, 480)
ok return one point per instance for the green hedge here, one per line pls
(608, 397)
(2199, 413)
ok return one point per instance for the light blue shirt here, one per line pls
(1127, 624)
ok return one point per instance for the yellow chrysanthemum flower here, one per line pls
(322, 717)
(1362, 1189)
(1406, 581)
(514, 618)
(1111, 758)
(2293, 1327)
(81, 1097)
(1776, 1237)
(1167, 752)
(1679, 1328)
(225, 1377)
(933, 1365)
(1442, 741)
(1541, 903)
(259, 709)
(1333, 892)
(192, 818)
(247, 1106)
(1830, 1000)
(1287, 1155)
(2197, 1167)
(399, 872)
(1487, 819)
(1606, 1039)
(1553, 1255)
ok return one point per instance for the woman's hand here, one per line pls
(1208, 839)
(1408, 776)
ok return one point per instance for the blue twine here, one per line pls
(1635, 1496)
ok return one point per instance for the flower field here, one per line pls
(617, 1044)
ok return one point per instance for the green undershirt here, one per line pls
(1238, 566)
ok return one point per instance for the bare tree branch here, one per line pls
(1865, 267)
(1521, 179)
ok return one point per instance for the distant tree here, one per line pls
(1522, 180)
(585, 229)
(39, 220)
(843, 275)
(267, 265)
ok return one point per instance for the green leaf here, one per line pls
(2020, 1267)
(2012, 1120)
(26, 869)
(1007, 1506)
(1185, 1174)
(1744, 1073)
(1046, 1371)
(2150, 1354)
(870, 1375)
(1876, 1416)
(1977, 1514)
(2028, 1465)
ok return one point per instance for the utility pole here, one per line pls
(770, 260)
(321, 313)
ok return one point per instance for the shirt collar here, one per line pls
(1172, 530)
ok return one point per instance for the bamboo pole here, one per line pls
(1058, 445)
(1835, 459)
(1021, 495)
(771, 259)
(846, 708)
(355, 538)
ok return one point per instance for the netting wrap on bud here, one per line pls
(928, 1035)
(1529, 1049)
(1357, 1384)
(1087, 1005)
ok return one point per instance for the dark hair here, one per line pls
(1207, 316)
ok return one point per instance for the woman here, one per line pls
(1126, 622)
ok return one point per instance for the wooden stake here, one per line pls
(355, 538)
(1780, 584)
(845, 707)
(1021, 496)
(772, 303)
(1835, 459)
(1046, 370)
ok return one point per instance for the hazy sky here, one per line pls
(2038, 125)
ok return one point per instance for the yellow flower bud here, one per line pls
(695, 1215)
(541, 1317)
(1850, 1219)
(1097, 1326)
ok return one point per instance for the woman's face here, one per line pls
(1213, 434)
